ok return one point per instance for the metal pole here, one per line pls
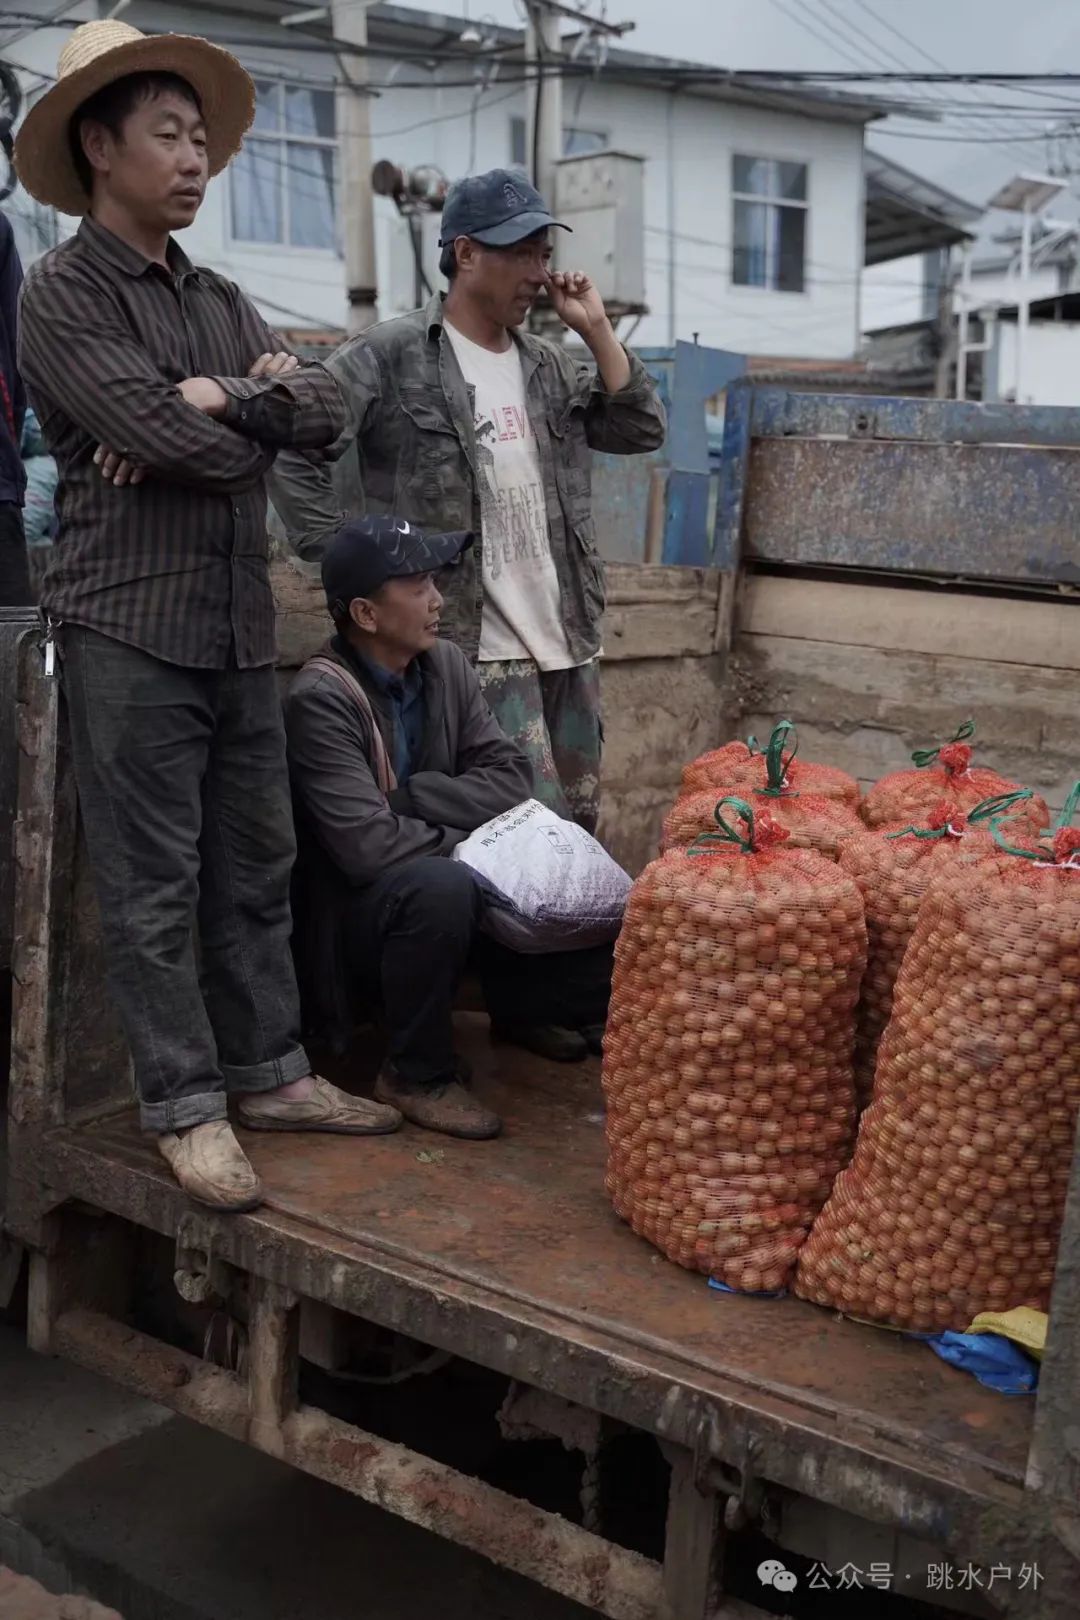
(965, 316)
(946, 327)
(349, 21)
(671, 219)
(542, 55)
(1023, 306)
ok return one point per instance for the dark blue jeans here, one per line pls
(184, 798)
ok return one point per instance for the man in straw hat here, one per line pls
(164, 398)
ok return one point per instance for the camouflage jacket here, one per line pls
(409, 449)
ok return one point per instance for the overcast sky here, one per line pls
(964, 35)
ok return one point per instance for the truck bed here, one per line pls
(508, 1253)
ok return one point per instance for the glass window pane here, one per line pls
(255, 185)
(309, 176)
(267, 106)
(517, 142)
(309, 112)
(579, 142)
(749, 261)
(753, 175)
(792, 180)
(791, 249)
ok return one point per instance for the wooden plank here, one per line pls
(865, 709)
(273, 1363)
(653, 612)
(1041, 632)
(694, 1545)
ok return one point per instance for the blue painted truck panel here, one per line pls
(910, 486)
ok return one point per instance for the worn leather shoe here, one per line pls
(211, 1166)
(326, 1109)
(447, 1107)
(593, 1036)
(549, 1041)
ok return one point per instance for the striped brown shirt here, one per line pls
(176, 565)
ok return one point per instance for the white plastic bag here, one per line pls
(548, 885)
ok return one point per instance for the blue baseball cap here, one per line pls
(369, 550)
(497, 208)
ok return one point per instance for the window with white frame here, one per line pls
(284, 180)
(576, 142)
(769, 210)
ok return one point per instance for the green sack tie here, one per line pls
(922, 757)
(727, 834)
(1063, 851)
(777, 763)
(984, 811)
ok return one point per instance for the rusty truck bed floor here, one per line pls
(522, 1228)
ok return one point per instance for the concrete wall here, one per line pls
(1051, 363)
(687, 140)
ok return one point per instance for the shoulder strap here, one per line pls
(384, 771)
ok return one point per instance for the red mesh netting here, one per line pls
(726, 772)
(940, 773)
(812, 822)
(893, 873)
(953, 1201)
(738, 768)
(727, 1060)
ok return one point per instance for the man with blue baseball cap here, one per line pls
(395, 758)
(462, 420)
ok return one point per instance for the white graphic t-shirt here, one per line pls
(522, 615)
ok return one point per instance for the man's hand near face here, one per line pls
(207, 396)
(579, 306)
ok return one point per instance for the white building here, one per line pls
(759, 213)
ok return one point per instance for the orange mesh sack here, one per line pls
(953, 1202)
(811, 822)
(727, 1058)
(742, 767)
(893, 868)
(940, 773)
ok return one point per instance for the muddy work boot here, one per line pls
(211, 1166)
(447, 1106)
(326, 1108)
(593, 1036)
(549, 1041)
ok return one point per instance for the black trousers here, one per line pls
(14, 568)
(410, 937)
(184, 796)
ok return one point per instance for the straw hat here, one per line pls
(97, 54)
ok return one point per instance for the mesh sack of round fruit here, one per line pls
(743, 767)
(940, 773)
(811, 822)
(727, 1058)
(953, 1201)
(893, 868)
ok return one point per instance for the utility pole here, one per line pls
(348, 20)
(543, 58)
(945, 317)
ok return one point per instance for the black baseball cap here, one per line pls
(497, 208)
(367, 551)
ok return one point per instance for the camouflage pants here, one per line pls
(554, 716)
